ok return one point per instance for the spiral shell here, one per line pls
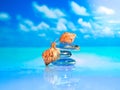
(67, 37)
(51, 54)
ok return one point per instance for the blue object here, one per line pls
(66, 46)
(65, 54)
(64, 62)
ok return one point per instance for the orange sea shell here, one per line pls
(67, 37)
(51, 54)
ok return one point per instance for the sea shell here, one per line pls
(67, 37)
(51, 54)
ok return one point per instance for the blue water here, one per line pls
(96, 68)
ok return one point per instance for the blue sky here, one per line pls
(40, 22)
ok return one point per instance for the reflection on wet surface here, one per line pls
(61, 78)
(58, 78)
(68, 78)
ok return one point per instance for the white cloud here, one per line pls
(56, 32)
(79, 10)
(83, 23)
(25, 24)
(107, 31)
(42, 26)
(105, 10)
(28, 22)
(103, 30)
(4, 16)
(42, 35)
(99, 29)
(61, 25)
(23, 27)
(48, 12)
(28, 25)
(71, 26)
(86, 36)
(82, 30)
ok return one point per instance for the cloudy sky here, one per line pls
(40, 22)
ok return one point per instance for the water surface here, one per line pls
(96, 68)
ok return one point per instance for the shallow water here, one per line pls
(96, 68)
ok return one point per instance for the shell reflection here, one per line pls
(61, 77)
